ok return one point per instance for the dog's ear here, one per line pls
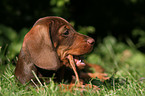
(38, 44)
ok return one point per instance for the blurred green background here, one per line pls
(118, 27)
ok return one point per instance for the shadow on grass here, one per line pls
(111, 83)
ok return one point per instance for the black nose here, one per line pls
(91, 41)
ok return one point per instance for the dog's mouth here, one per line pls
(79, 61)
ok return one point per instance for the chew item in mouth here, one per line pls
(72, 63)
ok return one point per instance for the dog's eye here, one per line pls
(66, 33)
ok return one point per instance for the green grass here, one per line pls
(124, 65)
(118, 85)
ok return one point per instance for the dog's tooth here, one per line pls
(80, 60)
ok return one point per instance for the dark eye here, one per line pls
(66, 33)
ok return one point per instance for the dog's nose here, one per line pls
(91, 41)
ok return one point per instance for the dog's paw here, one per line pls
(101, 76)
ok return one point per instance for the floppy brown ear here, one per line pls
(39, 46)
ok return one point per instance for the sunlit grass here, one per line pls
(118, 85)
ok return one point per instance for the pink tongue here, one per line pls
(80, 64)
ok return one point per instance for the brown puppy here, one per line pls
(46, 48)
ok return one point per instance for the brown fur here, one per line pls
(46, 47)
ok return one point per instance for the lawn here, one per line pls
(123, 63)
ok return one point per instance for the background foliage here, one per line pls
(116, 25)
(122, 19)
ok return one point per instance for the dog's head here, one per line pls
(51, 39)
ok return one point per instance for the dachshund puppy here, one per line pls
(52, 46)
